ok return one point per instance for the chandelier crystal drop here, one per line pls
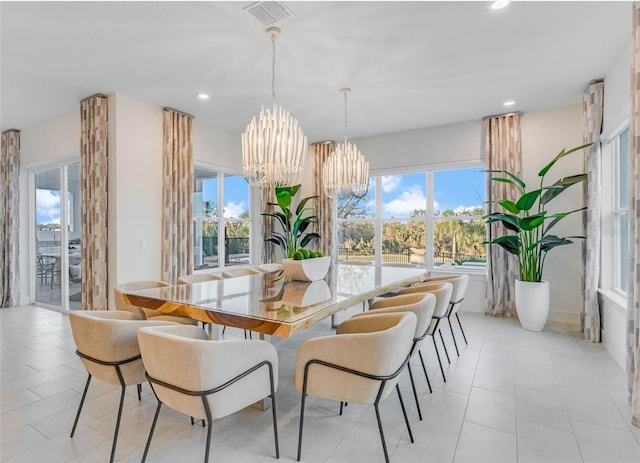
(345, 172)
(273, 146)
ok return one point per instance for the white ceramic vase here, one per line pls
(532, 304)
(307, 269)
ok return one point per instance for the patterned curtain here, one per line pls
(9, 202)
(268, 225)
(633, 291)
(324, 204)
(503, 152)
(93, 201)
(592, 107)
(177, 195)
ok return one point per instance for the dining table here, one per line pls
(270, 303)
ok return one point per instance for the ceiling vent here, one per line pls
(269, 13)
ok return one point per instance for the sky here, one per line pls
(401, 194)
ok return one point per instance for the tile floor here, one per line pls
(511, 396)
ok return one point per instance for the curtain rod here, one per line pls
(513, 113)
(11, 130)
(166, 108)
(99, 95)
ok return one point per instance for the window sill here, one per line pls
(615, 297)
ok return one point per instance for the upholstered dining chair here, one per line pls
(460, 283)
(199, 278)
(442, 291)
(207, 379)
(239, 272)
(422, 305)
(143, 312)
(360, 364)
(107, 343)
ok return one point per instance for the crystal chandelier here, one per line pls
(274, 146)
(345, 172)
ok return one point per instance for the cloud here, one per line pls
(390, 182)
(408, 201)
(47, 206)
(234, 210)
(461, 208)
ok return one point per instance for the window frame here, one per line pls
(222, 221)
(619, 261)
(429, 217)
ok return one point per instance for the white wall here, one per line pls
(617, 88)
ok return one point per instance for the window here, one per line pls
(222, 222)
(621, 209)
(428, 218)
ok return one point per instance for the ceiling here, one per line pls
(409, 64)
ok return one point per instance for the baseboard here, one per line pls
(571, 318)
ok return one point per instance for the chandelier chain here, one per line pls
(273, 69)
(345, 117)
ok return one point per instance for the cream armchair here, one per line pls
(199, 278)
(361, 364)
(107, 343)
(240, 272)
(442, 291)
(460, 283)
(422, 306)
(143, 312)
(207, 379)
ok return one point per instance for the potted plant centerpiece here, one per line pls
(299, 263)
(530, 239)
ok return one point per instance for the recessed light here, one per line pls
(509, 103)
(499, 4)
(203, 96)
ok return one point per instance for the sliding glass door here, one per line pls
(57, 274)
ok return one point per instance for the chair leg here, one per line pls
(139, 387)
(465, 338)
(115, 434)
(415, 394)
(455, 344)
(384, 444)
(445, 347)
(153, 427)
(273, 406)
(84, 394)
(207, 410)
(439, 361)
(424, 368)
(404, 412)
(341, 407)
(301, 420)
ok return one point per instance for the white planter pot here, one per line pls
(532, 304)
(307, 269)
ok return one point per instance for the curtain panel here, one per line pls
(592, 109)
(324, 204)
(503, 152)
(9, 224)
(633, 290)
(177, 195)
(93, 201)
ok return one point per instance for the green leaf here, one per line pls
(509, 221)
(559, 156)
(303, 202)
(527, 200)
(308, 238)
(531, 222)
(509, 205)
(509, 243)
(561, 185)
(551, 241)
(284, 199)
(559, 216)
(516, 180)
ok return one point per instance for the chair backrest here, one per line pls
(109, 336)
(239, 272)
(421, 304)
(460, 283)
(199, 278)
(182, 356)
(441, 289)
(121, 304)
(377, 344)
